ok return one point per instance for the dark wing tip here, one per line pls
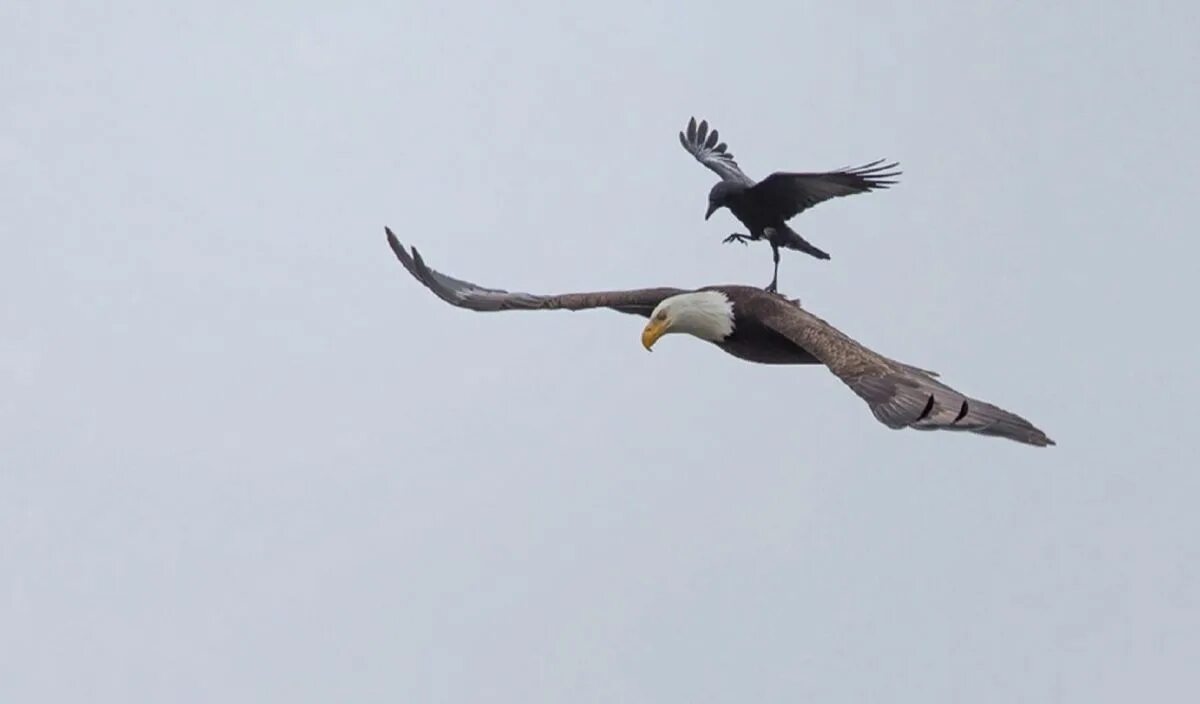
(873, 172)
(421, 270)
(876, 174)
(419, 261)
(1040, 439)
(398, 248)
(412, 260)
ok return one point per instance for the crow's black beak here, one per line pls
(712, 208)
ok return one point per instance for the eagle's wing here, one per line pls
(465, 294)
(710, 151)
(786, 194)
(899, 395)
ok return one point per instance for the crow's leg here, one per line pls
(774, 285)
(737, 237)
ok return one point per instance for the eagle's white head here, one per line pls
(706, 314)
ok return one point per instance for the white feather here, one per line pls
(706, 314)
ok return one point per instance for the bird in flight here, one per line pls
(763, 327)
(766, 206)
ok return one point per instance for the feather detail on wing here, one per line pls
(786, 194)
(464, 294)
(903, 399)
(709, 150)
(899, 395)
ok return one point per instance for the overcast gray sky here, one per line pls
(246, 458)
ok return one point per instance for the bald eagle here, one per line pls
(763, 327)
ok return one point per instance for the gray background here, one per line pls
(246, 458)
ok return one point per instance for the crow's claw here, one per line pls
(736, 237)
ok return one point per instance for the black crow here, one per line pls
(764, 207)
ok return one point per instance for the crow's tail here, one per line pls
(787, 237)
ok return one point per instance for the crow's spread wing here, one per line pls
(787, 194)
(709, 150)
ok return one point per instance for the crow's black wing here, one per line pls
(710, 151)
(787, 194)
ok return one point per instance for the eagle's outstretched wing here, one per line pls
(899, 396)
(709, 150)
(465, 294)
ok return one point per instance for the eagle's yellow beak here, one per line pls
(653, 330)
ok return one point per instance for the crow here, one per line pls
(764, 207)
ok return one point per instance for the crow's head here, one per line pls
(720, 196)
